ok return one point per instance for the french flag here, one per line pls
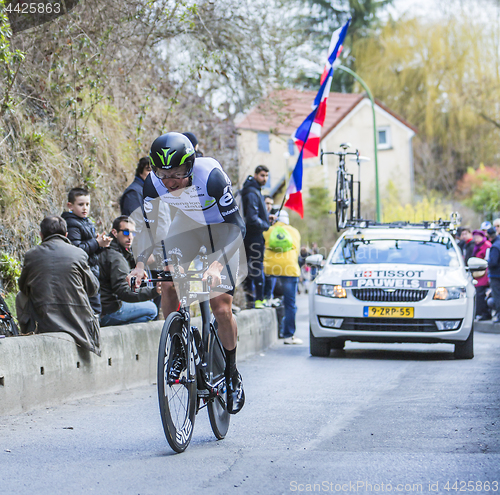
(308, 136)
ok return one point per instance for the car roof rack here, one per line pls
(440, 224)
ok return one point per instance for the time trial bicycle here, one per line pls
(191, 364)
(344, 203)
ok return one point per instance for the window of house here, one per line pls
(384, 138)
(291, 147)
(263, 142)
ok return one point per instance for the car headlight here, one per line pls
(331, 291)
(447, 293)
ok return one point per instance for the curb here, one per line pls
(486, 327)
(46, 369)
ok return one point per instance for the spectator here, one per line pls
(314, 269)
(496, 225)
(491, 233)
(119, 304)
(269, 203)
(194, 142)
(82, 233)
(466, 243)
(481, 245)
(55, 284)
(257, 221)
(269, 281)
(494, 274)
(304, 269)
(281, 261)
(131, 199)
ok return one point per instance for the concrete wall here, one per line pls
(43, 370)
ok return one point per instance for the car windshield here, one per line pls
(437, 251)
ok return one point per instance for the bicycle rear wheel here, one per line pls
(216, 364)
(177, 399)
(342, 199)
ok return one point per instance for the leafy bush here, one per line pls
(10, 271)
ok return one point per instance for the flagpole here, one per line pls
(370, 96)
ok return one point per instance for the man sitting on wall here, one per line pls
(56, 283)
(119, 304)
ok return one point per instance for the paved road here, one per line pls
(400, 418)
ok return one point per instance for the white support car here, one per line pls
(401, 283)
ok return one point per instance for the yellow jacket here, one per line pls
(282, 264)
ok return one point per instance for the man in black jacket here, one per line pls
(119, 304)
(132, 197)
(257, 221)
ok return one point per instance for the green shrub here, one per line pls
(10, 271)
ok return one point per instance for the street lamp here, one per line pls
(370, 96)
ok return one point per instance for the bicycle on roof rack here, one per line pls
(344, 188)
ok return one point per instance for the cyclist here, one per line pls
(205, 214)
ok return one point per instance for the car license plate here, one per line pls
(385, 312)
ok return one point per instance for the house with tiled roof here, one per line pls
(264, 138)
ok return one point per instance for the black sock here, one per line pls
(230, 361)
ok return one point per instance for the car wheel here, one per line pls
(317, 346)
(337, 344)
(465, 350)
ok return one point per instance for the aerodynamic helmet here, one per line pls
(170, 151)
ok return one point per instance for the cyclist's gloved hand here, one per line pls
(214, 271)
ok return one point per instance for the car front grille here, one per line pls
(389, 325)
(390, 295)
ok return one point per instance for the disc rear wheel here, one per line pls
(216, 364)
(177, 397)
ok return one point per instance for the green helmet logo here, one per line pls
(166, 154)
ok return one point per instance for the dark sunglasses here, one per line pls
(127, 232)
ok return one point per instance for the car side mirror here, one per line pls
(315, 260)
(476, 264)
(477, 267)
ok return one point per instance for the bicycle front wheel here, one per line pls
(216, 364)
(177, 397)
